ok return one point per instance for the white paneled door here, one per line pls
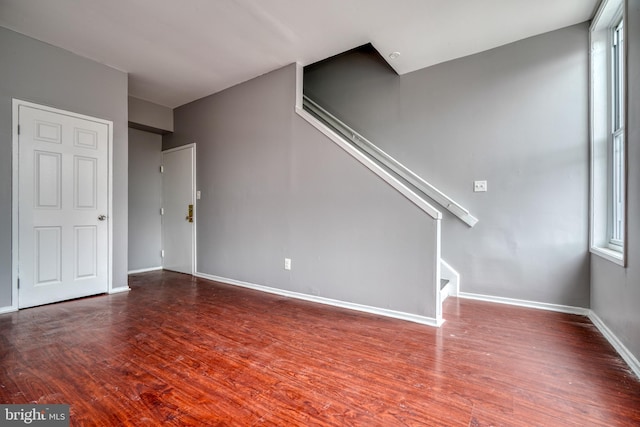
(178, 219)
(62, 206)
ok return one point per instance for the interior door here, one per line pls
(62, 206)
(178, 219)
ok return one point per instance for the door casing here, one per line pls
(15, 235)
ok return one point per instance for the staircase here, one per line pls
(449, 281)
(446, 280)
(387, 162)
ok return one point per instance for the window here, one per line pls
(608, 102)
(616, 217)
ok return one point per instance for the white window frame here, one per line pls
(608, 135)
(616, 218)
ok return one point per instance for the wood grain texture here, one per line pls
(178, 350)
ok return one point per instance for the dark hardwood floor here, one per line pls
(183, 351)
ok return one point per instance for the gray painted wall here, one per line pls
(615, 290)
(274, 187)
(38, 72)
(516, 116)
(145, 200)
(150, 115)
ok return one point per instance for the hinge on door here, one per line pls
(18, 283)
(161, 169)
(162, 253)
(18, 129)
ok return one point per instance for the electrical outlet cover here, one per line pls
(479, 186)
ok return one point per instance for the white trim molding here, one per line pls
(608, 254)
(371, 165)
(622, 350)
(144, 270)
(119, 290)
(529, 304)
(364, 145)
(8, 309)
(359, 156)
(430, 321)
(14, 204)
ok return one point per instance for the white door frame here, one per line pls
(15, 235)
(194, 249)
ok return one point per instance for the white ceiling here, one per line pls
(176, 51)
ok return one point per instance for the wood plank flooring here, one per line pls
(183, 351)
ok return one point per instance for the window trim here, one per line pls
(603, 135)
(617, 142)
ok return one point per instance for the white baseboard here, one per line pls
(8, 309)
(430, 321)
(529, 304)
(622, 350)
(144, 270)
(119, 290)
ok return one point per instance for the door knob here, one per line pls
(102, 217)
